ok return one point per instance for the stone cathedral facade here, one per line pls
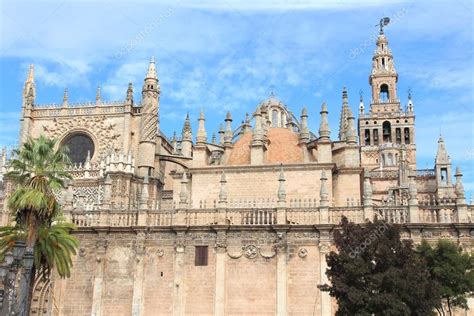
(239, 222)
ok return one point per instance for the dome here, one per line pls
(282, 148)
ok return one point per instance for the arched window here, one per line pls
(387, 132)
(275, 118)
(390, 159)
(376, 137)
(406, 133)
(384, 95)
(79, 146)
(398, 135)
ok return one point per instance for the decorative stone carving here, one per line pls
(82, 252)
(105, 133)
(302, 253)
(251, 251)
(160, 253)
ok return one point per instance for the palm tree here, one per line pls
(55, 246)
(38, 170)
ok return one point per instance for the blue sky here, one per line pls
(228, 55)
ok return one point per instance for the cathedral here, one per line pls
(237, 223)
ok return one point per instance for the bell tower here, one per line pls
(387, 132)
(149, 122)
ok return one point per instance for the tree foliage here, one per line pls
(452, 271)
(373, 272)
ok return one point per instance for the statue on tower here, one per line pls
(383, 22)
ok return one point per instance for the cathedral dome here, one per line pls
(282, 148)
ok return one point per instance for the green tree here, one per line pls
(452, 270)
(38, 169)
(373, 272)
(54, 248)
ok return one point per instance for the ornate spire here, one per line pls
(323, 192)
(367, 196)
(304, 133)
(183, 195)
(344, 116)
(442, 156)
(351, 136)
(246, 127)
(228, 130)
(201, 137)
(281, 186)
(221, 135)
(361, 103)
(223, 189)
(187, 133)
(65, 97)
(29, 90)
(174, 143)
(129, 99)
(213, 140)
(257, 137)
(98, 96)
(151, 73)
(324, 131)
(459, 187)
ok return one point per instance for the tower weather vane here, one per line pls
(383, 22)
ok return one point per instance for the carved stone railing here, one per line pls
(258, 216)
(384, 174)
(302, 216)
(425, 173)
(252, 217)
(79, 109)
(353, 214)
(392, 214)
(438, 214)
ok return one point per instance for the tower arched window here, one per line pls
(384, 94)
(406, 133)
(387, 132)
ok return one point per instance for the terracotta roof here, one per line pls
(282, 148)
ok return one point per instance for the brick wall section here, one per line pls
(303, 278)
(119, 270)
(250, 286)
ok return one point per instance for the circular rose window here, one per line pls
(79, 145)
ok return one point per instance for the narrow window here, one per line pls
(398, 135)
(406, 133)
(376, 136)
(444, 175)
(384, 95)
(387, 132)
(367, 137)
(200, 256)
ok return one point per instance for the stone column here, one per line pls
(281, 207)
(324, 200)
(413, 210)
(367, 197)
(178, 290)
(219, 295)
(324, 248)
(222, 204)
(137, 299)
(101, 249)
(282, 261)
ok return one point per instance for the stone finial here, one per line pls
(31, 74)
(304, 132)
(87, 163)
(29, 90)
(187, 133)
(361, 104)
(442, 156)
(257, 136)
(367, 196)
(151, 73)
(324, 131)
(459, 185)
(223, 189)
(174, 143)
(344, 116)
(281, 186)
(228, 130)
(144, 196)
(98, 96)
(323, 192)
(129, 99)
(213, 139)
(201, 137)
(69, 195)
(246, 125)
(351, 134)
(412, 190)
(410, 106)
(221, 134)
(183, 195)
(65, 97)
